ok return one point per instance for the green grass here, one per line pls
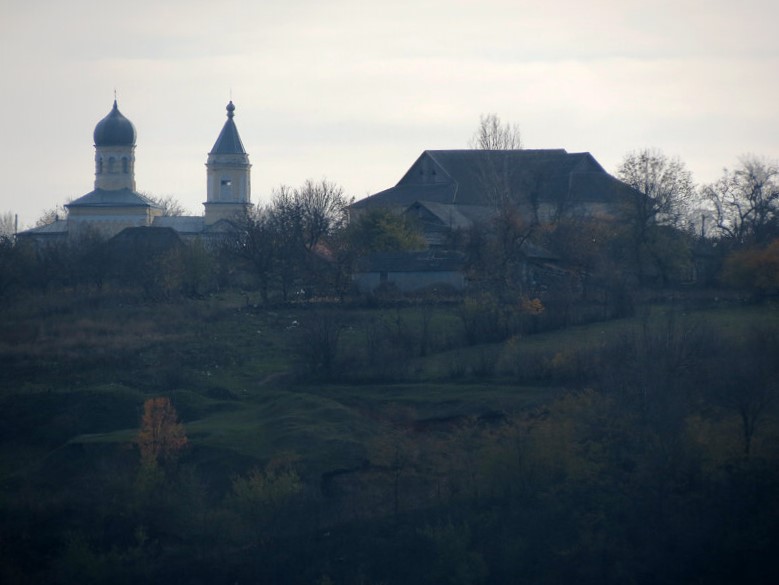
(220, 362)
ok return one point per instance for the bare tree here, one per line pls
(666, 183)
(493, 134)
(51, 215)
(323, 209)
(660, 208)
(12, 264)
(7, 224)
(253, 242)
(495, 253)
(746, 201)
(171, 207)
(286, 221)
(278, 241)
(312, 211)
(743, 378)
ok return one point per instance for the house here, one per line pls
(114, 204)
(446, 191)
(453, 189)
(411, 271)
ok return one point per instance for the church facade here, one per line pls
(114, 204)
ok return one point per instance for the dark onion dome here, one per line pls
(114, 130)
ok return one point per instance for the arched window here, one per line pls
(99, 166)
(125, 165)
(226, 188)
(111, 165)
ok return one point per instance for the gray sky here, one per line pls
(354, 90)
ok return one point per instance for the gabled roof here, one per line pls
(193, 224)
(449, 216)
(405, 195)
(228, 142)
(183, 224)
(467, 177)
(56, 228)
(140, 241)
(115, 198)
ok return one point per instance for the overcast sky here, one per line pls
(354, 90)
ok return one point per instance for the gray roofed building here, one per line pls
(411, 271)
(446, 191)
(106, 198)
(185, 225)
(54, 231)
(548, 181)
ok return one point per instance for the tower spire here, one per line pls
(228, 173)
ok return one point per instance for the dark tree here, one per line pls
(746, 202)
(666, 183)
(659, 212)
(381, 230)
(7, 224)
(322, 207)
(49, 216)
(253, 242)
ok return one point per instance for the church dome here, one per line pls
(114, 130)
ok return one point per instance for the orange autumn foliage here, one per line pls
(161, 436)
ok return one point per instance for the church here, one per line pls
(114, 205)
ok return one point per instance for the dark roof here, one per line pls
(114, 130)
(228, 142)
(56, 228)
(405, 195)
(424, 261)
(221, 226)
(452, 216)
(144, 240)
(466, 177)
(193, 224)
(183, 224)
(115, 198)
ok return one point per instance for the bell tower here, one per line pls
(228, 174)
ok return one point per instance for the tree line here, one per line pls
(303, 243)
(298, 245)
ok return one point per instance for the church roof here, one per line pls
(229, 142)
(114, 130)
(106, 198)
(56, 228)
(183, 224)
(135, 243)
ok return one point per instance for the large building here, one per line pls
(446, 191)
(114, 204)
(454, 189)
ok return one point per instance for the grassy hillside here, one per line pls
(406, 418)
